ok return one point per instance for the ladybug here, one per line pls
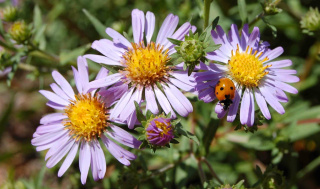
(225, 92)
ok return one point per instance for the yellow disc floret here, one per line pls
(146, 65)
(86, 117)
(246, 68)
(164, 126)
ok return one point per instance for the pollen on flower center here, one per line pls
(163, 127)
(146, 65)
(86, 117)
(246, 68)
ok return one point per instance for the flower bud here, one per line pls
(159, 131)
(310, 22)
(20, 32)
(191, 50)
(270, 7)
(10, 14)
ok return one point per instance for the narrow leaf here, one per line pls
(140, 116)
(100, 28)
(174, 41)
(72, 55)
(187, 134)
(37, 18)
(213, 48)
(243, 11)
(209, 134)
(214, 23)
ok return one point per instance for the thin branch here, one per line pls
(201, 173)
(211, 170)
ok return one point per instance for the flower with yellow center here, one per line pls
(87, 117)
(246, 68)
(146, 65)
(250, 64)
(144, 68)
(82, 124)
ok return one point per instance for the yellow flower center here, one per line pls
(146, 65)
(86, 117)
(246, 68)
(163, 126)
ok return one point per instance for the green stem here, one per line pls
(211, 170)
(206, 13)
(311, 166)
(201, 172)
(6, 46)
(256, 19)
(42, 53)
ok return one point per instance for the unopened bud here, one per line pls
(20, 32)
(10, 14)
(310, 22)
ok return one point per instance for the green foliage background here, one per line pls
(285, 148)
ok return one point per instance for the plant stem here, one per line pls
(49, 56)
(256, 19)
(311, 166)
(206, 13)
(211, 170)
(6, 46)
(201, 172)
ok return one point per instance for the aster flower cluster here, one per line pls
(148, 81)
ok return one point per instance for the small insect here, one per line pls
(225, 92)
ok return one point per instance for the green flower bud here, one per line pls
(270, 7)
(191, 50)
(310, 22)
(19, 32)
(10, 14)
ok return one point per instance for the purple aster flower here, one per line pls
(159, 131)
(81, 125)
(251, 66)
(145, 68)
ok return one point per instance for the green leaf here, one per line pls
(298, 132)
(37, 18)
(243, 11)
(66, 57)
(203, 36)
(209, 134)
(148, 114)
(176, 61)
(39, 178)
(191, 68)
(272, 27)
(213, 48)
(214, 23)
(140, 116)
(239, 184)
(174, 141)
(139, 129)
(100, 28)
(143, 144)
(187, 134)
(174, 41)
(175, 55)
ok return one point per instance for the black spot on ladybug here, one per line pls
(217, 93)
(227, 96)
(231, 88)
(221, 88)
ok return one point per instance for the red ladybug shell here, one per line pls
(225, 91)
